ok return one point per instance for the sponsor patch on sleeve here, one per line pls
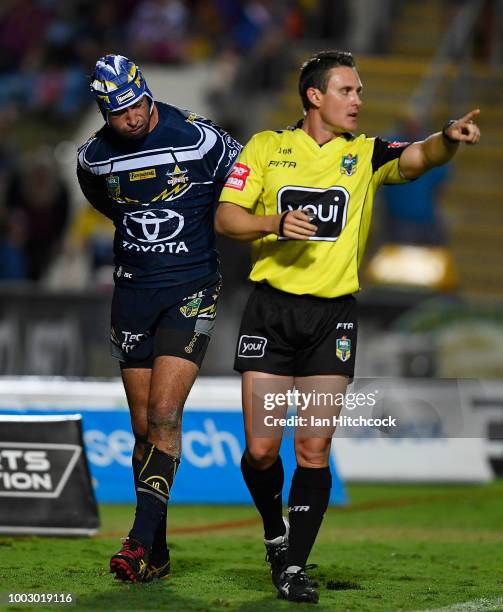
(396, 144)
(237, 178)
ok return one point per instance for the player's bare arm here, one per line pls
(238, 223)
(440, 147)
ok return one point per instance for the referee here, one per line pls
(304, 197)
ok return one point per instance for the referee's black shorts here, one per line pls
(297, 335)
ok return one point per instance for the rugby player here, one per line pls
(156, 171)
(304, 197)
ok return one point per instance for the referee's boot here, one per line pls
(130, 563)
(276, 552)
(158, 566)
(296, 586)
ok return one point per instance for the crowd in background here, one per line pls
(48, 49)
(33, 216)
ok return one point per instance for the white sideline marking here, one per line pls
(476, 605)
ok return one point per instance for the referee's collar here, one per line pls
(300, 123)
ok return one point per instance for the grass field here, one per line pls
(402, 547)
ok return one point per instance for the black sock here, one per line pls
(136, 470)
(307, 503)
(159, 545)
(153, 485)
(148, 516)
(265, 487)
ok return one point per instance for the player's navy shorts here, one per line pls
(175, 321)
(297, 335)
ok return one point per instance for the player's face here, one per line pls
(341, 103)
(132, 122)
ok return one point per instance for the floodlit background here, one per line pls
(431, 315)
(433, 276)
(431, 304)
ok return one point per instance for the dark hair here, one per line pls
(314, 72)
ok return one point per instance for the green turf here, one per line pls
(395, 548)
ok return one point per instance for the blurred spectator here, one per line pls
(489, 33)
(93, 233)
(56, 90)
(412, 211)
(328, 20)
(414, 250)
(254, 19)
(100, 27)
(13, 264)
(157, 31)
(486, 37)
(255, 60)
(369, 25)
(497, 34)
(49, 81)
(23, 24)
(12, 231)
(38, 199)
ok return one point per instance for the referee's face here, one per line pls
(340, 105)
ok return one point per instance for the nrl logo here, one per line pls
(343, 348)
(348, 164)
(113, 186)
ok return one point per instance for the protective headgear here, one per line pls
(116, 83)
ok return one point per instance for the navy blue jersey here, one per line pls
(160, 193)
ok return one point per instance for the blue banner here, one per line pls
(213, 442)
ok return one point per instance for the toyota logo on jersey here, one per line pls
(157, 225)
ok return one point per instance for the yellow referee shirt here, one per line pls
(286, 170)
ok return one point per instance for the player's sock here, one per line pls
(265, 487)
(149, 511)
(136, 471)
(159, 545)
(154, 483)
(307, 503)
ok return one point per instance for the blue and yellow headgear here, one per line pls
(116, 83)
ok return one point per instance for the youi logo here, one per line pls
(251, 346)
(329, 205)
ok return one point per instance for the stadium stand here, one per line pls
(471, 198)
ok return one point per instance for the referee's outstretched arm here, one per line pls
(440, 147)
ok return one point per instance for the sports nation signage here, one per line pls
(44, 479)
(36, 470)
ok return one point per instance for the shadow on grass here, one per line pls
(125, 596)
